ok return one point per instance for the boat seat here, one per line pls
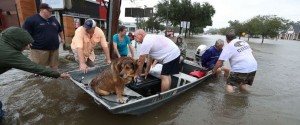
(127, 91)
(146, 87)
(185, 77)
(112, 99)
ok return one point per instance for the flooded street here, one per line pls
(272, 100)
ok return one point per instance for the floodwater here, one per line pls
(272, 100)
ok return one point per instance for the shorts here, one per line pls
(171, 67)
(88, 62)
(45, 57)
(236, 79)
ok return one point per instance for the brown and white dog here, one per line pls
(115, 78)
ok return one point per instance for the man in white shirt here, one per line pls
(242, 62)
(162, 49)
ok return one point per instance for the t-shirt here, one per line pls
(240, 56)
(160, 48)
(44, 32)
(210, 57)
(122, 46)
(88, 43)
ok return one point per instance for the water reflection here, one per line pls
(234, 106)
(57, 101)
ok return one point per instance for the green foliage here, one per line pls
(176, 11)
(197, 30)
(269, 25)
(223, 31)
(266, 26)
(141, 23)
(238, 27)
(153, 24)
(161, 27)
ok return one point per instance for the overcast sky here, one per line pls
(226, 10)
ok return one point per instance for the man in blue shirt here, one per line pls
(44, 29)
(211, 56)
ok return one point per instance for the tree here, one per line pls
(197, 30)
(238, 27)
(269, 25)
(223, 31)
(212, 31)
(199, 15)
(202, 15)
(266, 26)
(152, 24)
(140, 23)
(252, 27)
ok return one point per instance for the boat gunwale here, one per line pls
(134, 101)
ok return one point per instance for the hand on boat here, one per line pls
(83, 68)
(145, 74)
(210, 72)
(136, 77)
(64, 75)
(108, 62)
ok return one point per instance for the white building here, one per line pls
(131, 27)
(292, 33)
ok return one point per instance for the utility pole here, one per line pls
(166, 34)
(185, 29)
(113, 23)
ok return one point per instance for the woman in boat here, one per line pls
(121, 42)
(182, 46)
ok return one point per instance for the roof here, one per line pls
(296, 28)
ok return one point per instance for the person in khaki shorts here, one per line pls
(85, 40)
(242, 62)
(45, 30)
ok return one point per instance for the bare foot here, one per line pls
(229, 89)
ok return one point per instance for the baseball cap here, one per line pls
(45, 6)
(89, 23)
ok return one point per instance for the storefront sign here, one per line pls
(55, 4)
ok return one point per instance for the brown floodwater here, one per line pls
(272, 100)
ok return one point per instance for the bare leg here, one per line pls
(165, 82)
(243, 87)
(218, 72)
(226, 71)
(229, 88)
(54, 68)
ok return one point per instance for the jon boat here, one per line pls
(144, 95)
